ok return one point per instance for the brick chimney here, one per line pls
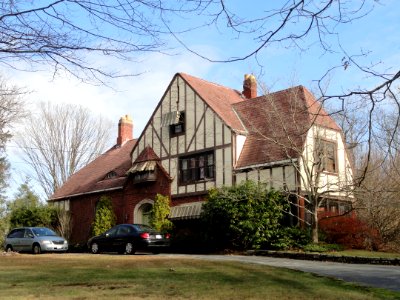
(125, 130)
(249, 86)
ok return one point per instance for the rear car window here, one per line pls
(142, 227)
(16, 233)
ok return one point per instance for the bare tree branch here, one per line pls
(60, 139)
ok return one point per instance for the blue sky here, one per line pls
(282, 66)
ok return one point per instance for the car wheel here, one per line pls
(94, 247)
(36, 249)
(9, 248)
(129, 249)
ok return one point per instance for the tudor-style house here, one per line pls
(203, 135)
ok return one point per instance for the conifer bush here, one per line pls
(159, 213)
(105, 217)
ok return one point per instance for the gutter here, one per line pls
(85, 193)
(271, 164)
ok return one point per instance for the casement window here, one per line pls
(179, 126)
(145, 176)
(326, 156)
(195, 168)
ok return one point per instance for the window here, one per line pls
(178, 127)
(326, 157)
(144, 176)
(16, 233)
(110, 175)
(199, 167)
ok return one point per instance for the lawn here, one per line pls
(364, 253)
(82, 276)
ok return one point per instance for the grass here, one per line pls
(365, 253)
(76, 276)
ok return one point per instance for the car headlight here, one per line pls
(47, 242)
(65, 242)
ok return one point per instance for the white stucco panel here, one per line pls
(240, 140)
(240, 177)
(252, 175)
(290, 178)
(277, 178)
(265, 177)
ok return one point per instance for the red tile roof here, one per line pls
(146, 155)
(219, 98)
(277, 125)
(92, 177)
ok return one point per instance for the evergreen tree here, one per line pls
(27, 210)
(159, 213)
(105, 216)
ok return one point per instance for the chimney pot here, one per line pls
(125, 130)
(249, 86)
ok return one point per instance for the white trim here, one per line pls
(275, 163)
(137, 217)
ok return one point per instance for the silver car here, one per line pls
(34, 239)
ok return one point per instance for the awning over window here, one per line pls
(170, 118)
(186, 211)
(142, 166)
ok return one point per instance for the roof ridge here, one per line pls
(208, 82)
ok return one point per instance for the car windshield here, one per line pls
(43, 232)
(142, 227)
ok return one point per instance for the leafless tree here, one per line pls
(378, 194)
(378, 198)
(59, 139)
(65, 223)
(11, 108)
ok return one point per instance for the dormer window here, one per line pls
(178, 127)
(110, 175)
(143, 171)
(145, 176)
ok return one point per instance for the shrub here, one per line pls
(105, 217)
(350, 232)
(321, 247)
(159, 213)
(33, 216)
(289, 238)
(244, 216)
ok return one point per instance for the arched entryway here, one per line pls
(141, 214)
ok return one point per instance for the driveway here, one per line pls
(380, 276)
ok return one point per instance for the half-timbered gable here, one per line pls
(191, 130)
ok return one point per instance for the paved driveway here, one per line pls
(387, 277)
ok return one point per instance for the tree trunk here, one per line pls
(315, 225)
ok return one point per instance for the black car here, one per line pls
(129, 238)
